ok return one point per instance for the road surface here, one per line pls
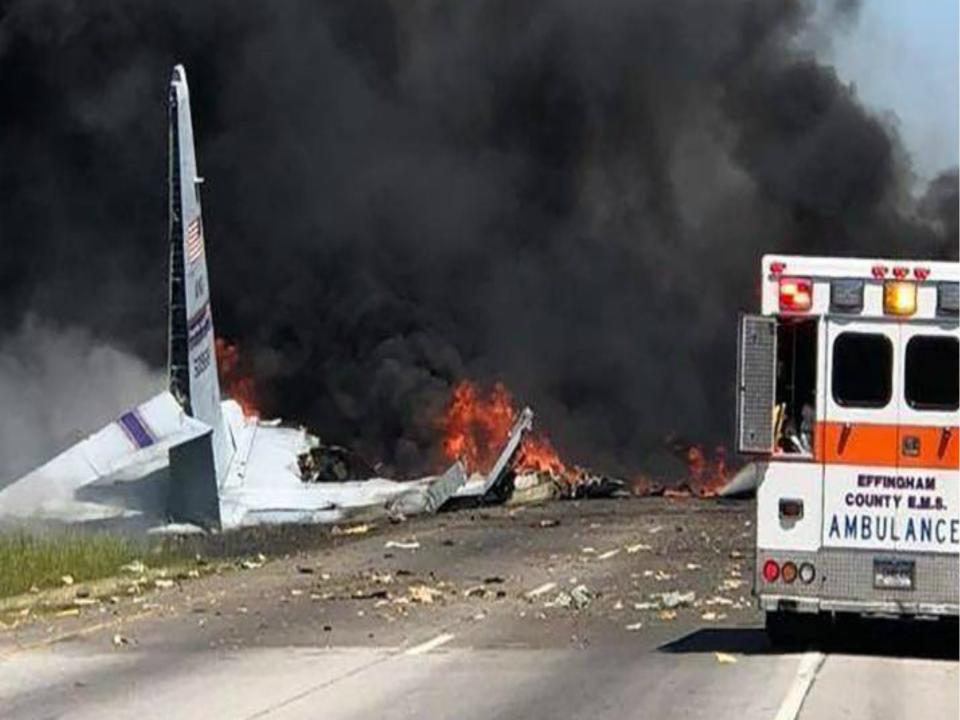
(475, 614)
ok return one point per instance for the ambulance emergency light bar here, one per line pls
(896, 289)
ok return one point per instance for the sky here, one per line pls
(902, 56)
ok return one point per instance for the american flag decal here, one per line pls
(194, 240)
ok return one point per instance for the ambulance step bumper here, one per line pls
(785, 603)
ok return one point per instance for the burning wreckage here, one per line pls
(186, 456)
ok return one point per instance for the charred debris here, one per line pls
(517, 475)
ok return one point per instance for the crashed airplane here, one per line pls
(188, 456)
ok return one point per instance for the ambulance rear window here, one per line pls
(862, 370)
(932, 374)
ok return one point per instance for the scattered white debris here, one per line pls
(424, 594)
(608, 554)
(725, 658)
(677, 599)
(632, 627)
(402, 545)
(541, 590)
(730, 584)
(134, 568)
(361, 529)
(631, 549)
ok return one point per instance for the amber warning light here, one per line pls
(899, 297)
(796, 294)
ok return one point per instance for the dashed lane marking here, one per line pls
(430, 644)
(810, 665)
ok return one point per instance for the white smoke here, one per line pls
(58, 385)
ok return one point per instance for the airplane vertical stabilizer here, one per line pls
(192, 360)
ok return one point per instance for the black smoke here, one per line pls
(571, 197)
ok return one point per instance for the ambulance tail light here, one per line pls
(771, 571)
(796, 294)
(807, 573)
(899, 297)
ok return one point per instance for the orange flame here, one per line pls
(536, 454)
(235, 379)
(476, 426)
(707, 475)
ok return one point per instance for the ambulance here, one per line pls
(847, 397)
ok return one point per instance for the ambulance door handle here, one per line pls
(945, 434)
(845, 431)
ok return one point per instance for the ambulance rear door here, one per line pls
(927, 447)
(858, 436)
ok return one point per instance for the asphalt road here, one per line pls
(475, 615)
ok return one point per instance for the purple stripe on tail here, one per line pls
(136, 429)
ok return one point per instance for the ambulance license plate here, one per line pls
(893, 574)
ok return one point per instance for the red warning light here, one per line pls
(796, 294)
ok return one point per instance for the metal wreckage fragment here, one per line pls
(454, 488)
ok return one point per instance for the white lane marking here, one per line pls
(810, 665)
(430, 644)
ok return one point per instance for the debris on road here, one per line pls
(361, 529)
(677, 599)
(424, 594)
(254, 563)
(578, 598)
(402, 545)
(634, 626)
(724, 658)
(541, 590)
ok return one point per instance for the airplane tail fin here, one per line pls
(192, 360)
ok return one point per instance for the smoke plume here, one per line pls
(56, 386)
(570, 197)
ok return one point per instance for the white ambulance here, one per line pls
(848, 396)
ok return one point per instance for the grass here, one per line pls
(41, 561)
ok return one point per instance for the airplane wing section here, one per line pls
(118, 471)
